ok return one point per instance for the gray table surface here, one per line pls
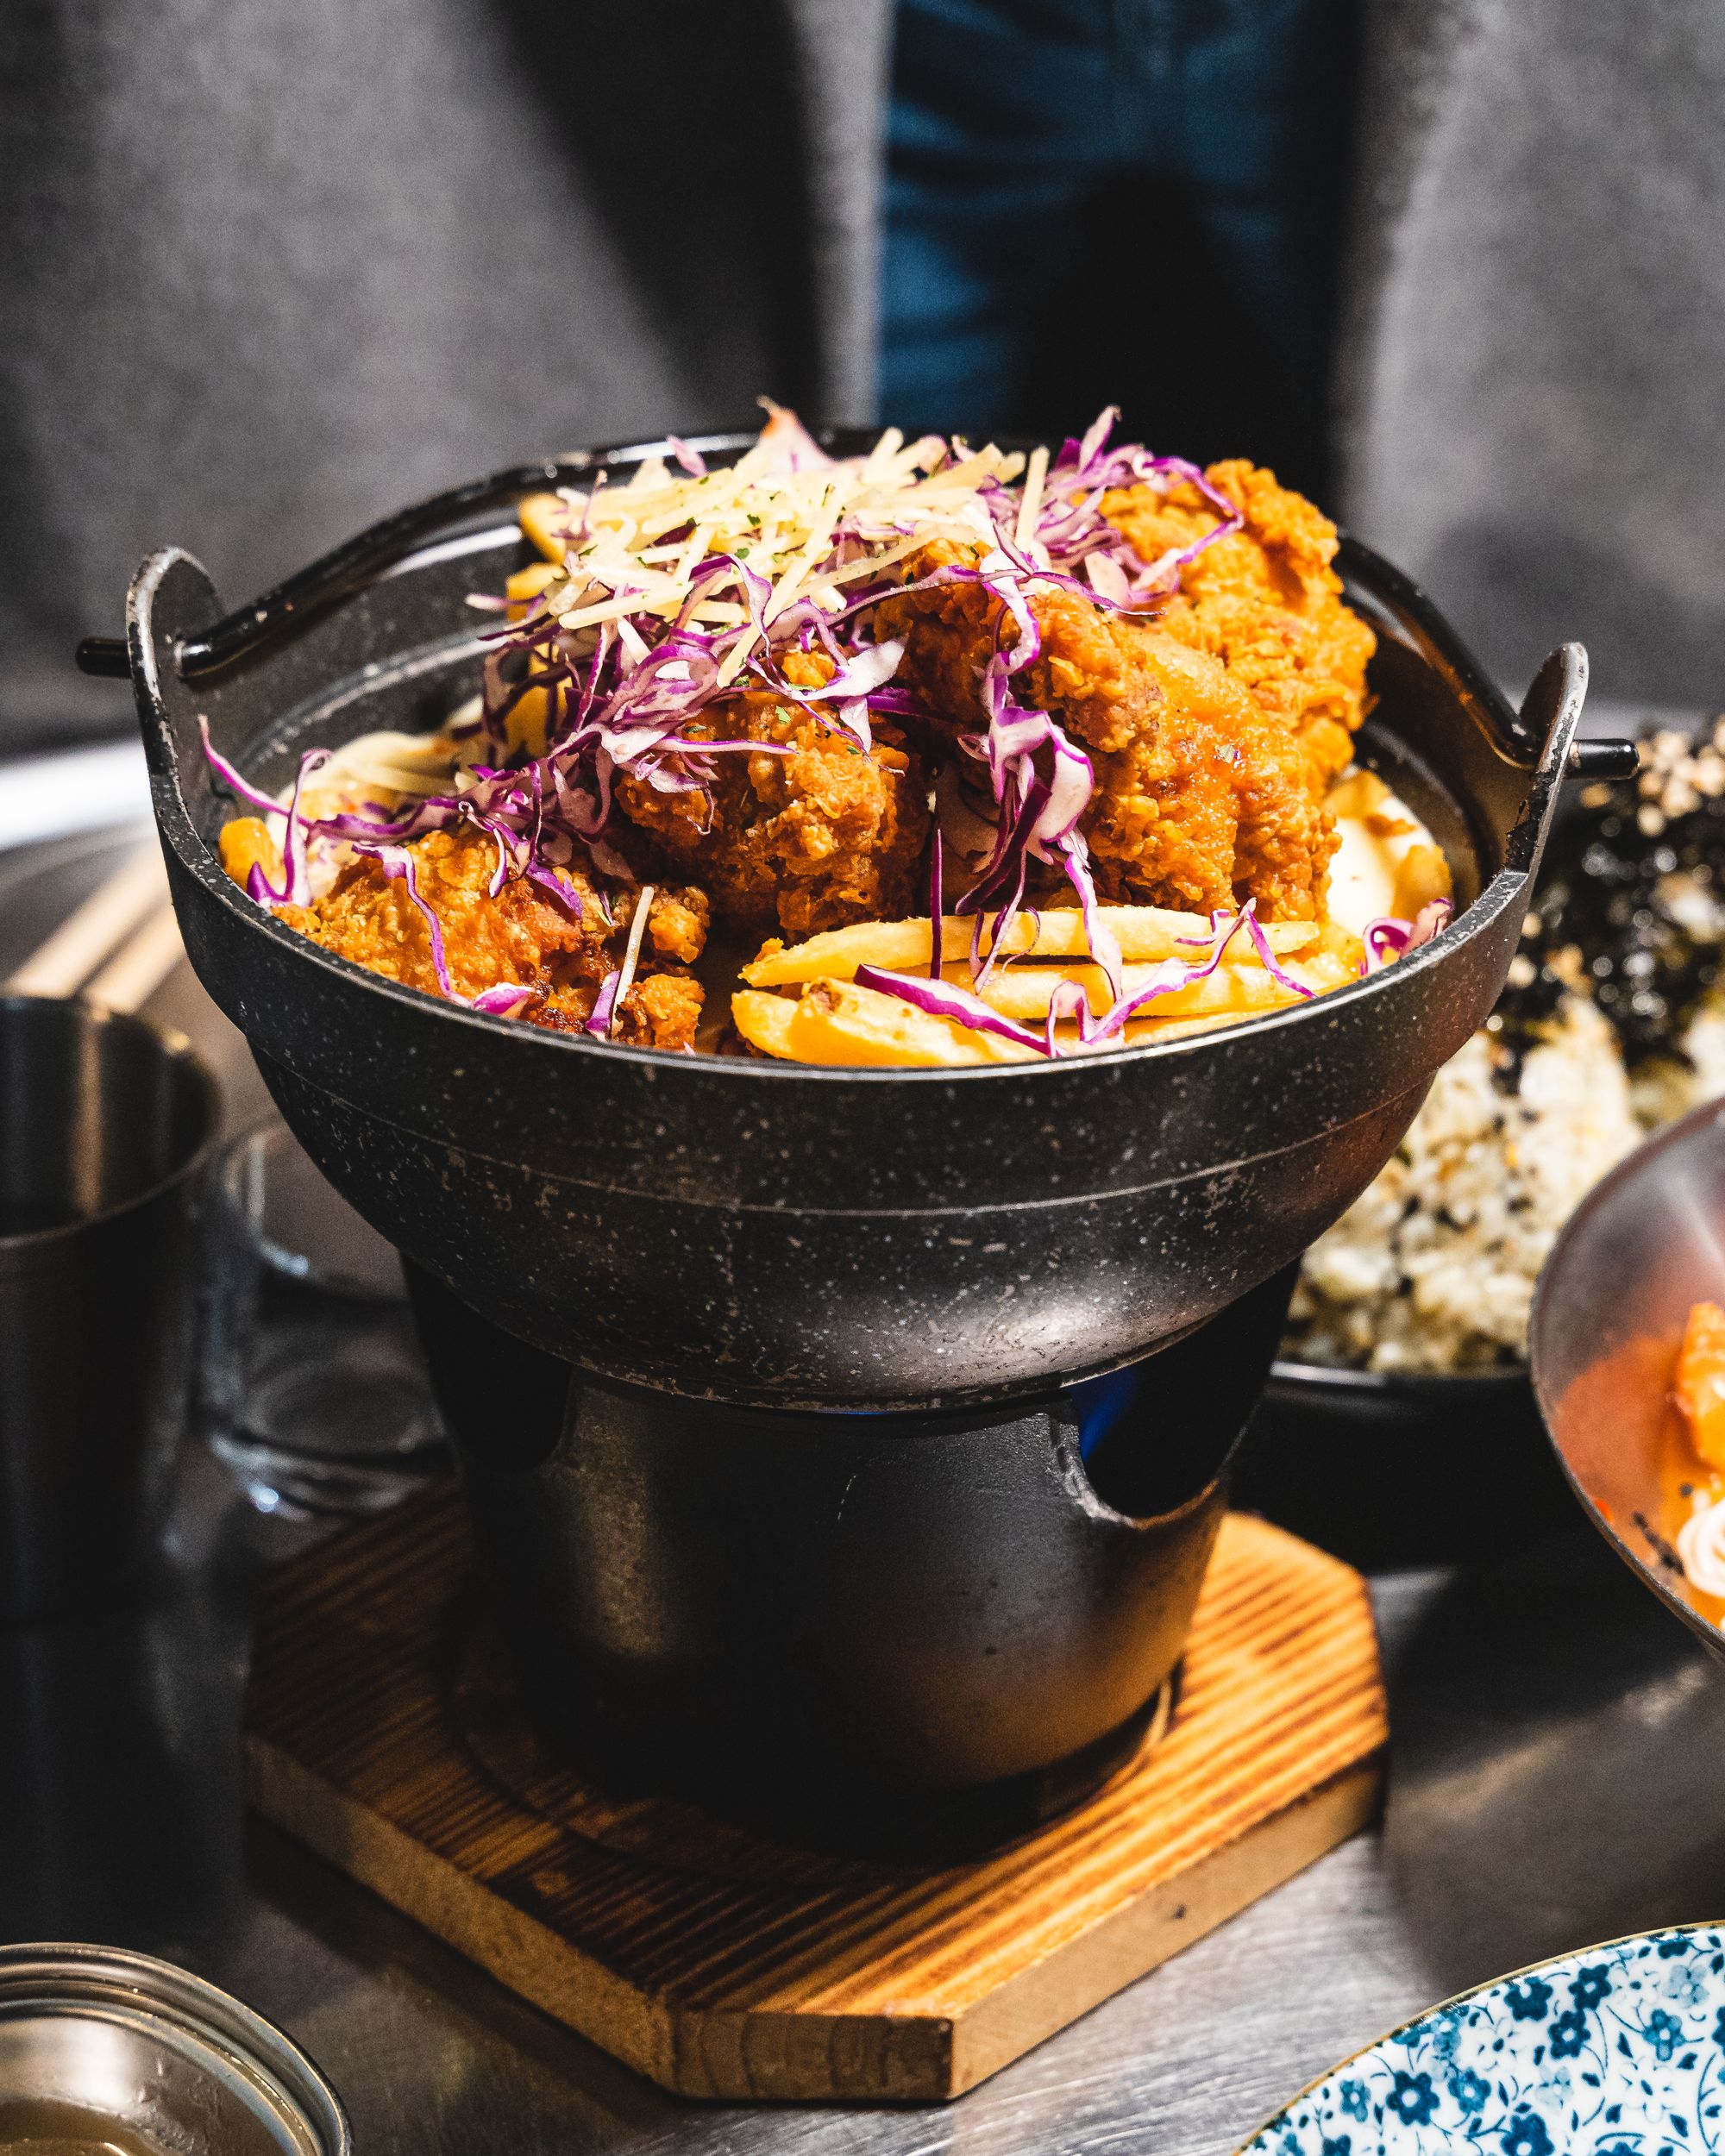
(1557, 1741)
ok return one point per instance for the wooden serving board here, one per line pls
(381, 1730)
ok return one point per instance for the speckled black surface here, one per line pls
(984, 1612)
(776, 1235)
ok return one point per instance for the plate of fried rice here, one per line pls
(1409, 1320)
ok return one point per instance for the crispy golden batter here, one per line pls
(522, 937)
(662, 1010)
(1264, 600)
(1201, 801)
(813, 840)
(1202, 798)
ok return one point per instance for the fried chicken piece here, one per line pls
(1265, 601)
(522, 937)
(662, 1010)
(1201, 799)
(1199, 795)
(816, 839)
(676, 927)
(512, 938)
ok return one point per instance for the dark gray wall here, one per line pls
(270, 271)
(1533, 404)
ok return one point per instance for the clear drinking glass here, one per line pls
(315, 1391)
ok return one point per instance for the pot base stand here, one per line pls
(382, 1731)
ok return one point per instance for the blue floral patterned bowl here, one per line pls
(1617, 2051)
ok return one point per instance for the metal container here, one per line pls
(100, 2046)
(771, 1234)
(104, 1120)
(818, 1468)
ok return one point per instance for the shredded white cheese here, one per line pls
(635, 549)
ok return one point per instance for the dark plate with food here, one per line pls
(810, 948)
(1410, 1329)
(1392, 1470)
(1628, 1362)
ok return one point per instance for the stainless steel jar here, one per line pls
(107, 2047)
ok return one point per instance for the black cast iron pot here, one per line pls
(776, 1236)
(826, 1245)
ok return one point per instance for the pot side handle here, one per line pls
(1550, 712)
(1603, 759)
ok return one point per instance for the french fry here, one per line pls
(1336, 942)
(526, 721)
(525, 585)
(541, 518)
(833, 1021)
(1359, 794)
(1026, 992)
(1146, 934)
(836, 1022)
(245, 844)
(1139, 1030)
(764, 1021)
(1422, 875)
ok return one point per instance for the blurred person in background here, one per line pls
(1451, 266)
(271, 273)
(1138, 203)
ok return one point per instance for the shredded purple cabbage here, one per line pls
(1430, 922)
(396, 861)
(626, 699)
(942, 1000)
(937, 913)
(1387, 937)
(1266, 957)
(504, 1000)
(1069, 1003)
(605, 1005)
